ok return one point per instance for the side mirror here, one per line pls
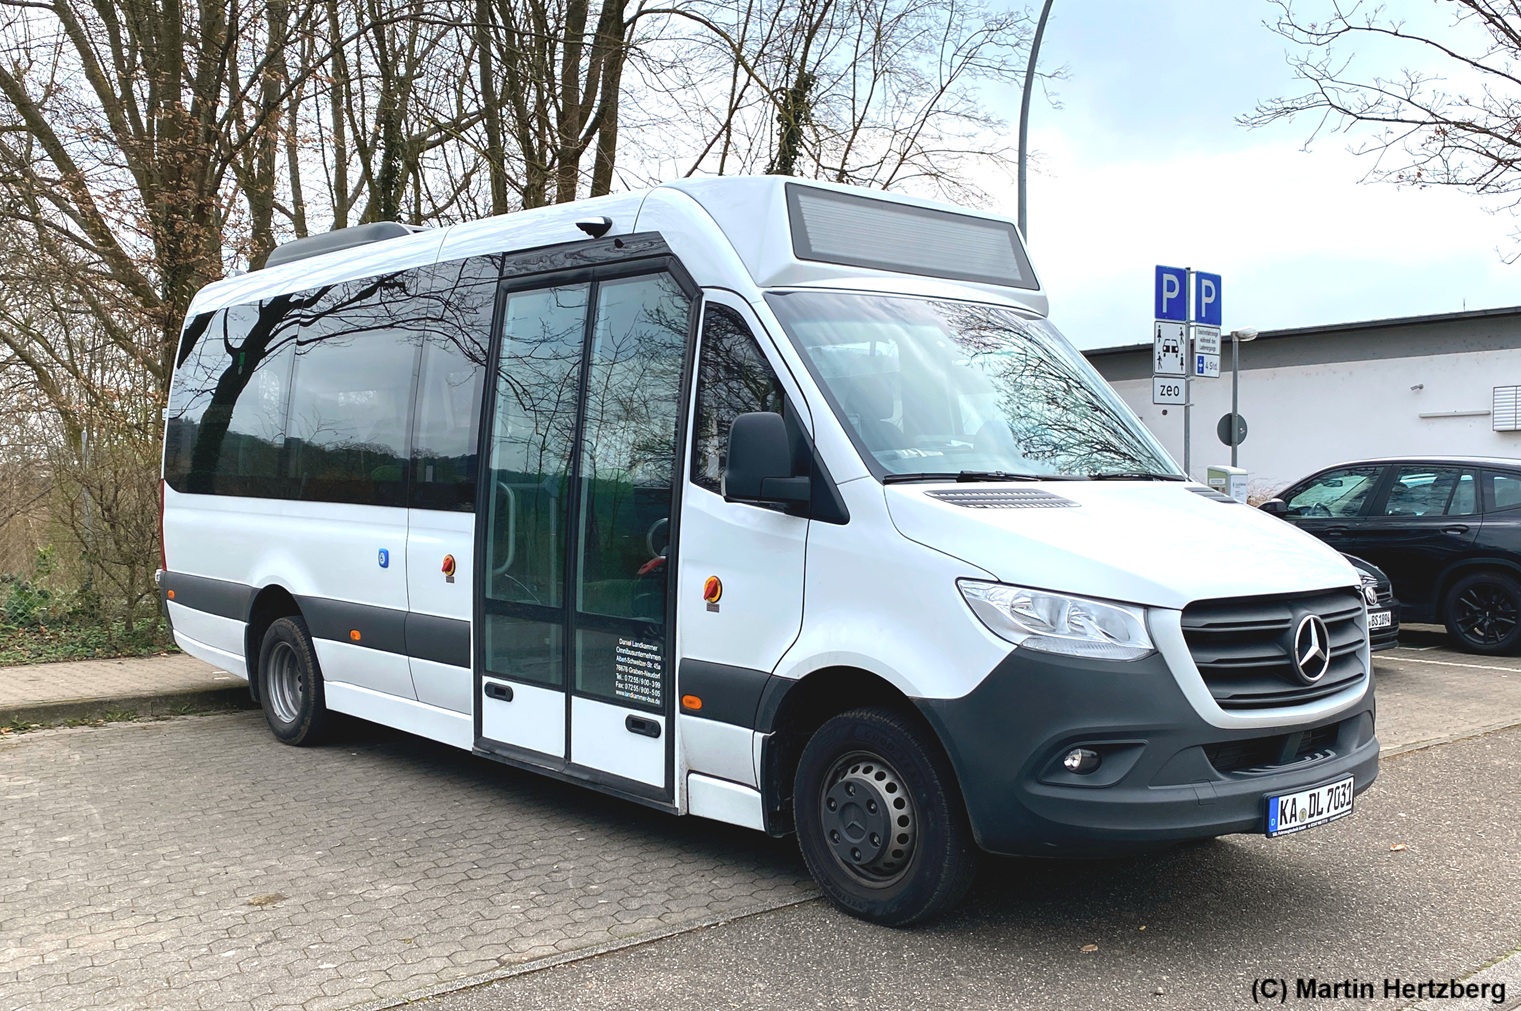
(1275, 507)
(759, 465)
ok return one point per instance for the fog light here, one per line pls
(1081, 761)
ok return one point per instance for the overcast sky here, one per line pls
(1143, 164)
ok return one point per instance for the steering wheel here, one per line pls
(658, 534)
(1318, 510)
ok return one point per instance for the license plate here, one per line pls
(1295, 812)
(1379, 619)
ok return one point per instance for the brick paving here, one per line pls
(47, 684)
(197, 863)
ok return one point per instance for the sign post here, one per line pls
(1185, 339)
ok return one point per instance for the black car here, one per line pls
(1447, 530)
(1383, 609)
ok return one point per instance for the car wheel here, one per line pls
(1483, 613)
(880, 820)
(290, 684)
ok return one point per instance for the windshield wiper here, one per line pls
(972, 475)
(1136, 475)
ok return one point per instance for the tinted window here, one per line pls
(310, 394)
(1430, 491)
(732, 379)
(1504, 490)
(449, 384)
(1339, 493)
(228, 404)
(355, 357)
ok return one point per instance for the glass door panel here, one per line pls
(538, 381)
(633, 398)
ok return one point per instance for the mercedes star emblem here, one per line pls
(1312, 648)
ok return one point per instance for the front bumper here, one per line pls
(1165, 774)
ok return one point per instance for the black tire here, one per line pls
(290, 684)
(865, 771)
(1483, 613)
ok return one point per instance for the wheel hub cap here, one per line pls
(868, 818)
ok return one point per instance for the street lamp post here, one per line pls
(1237, 336)
(1024, 114)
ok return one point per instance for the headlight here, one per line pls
(1057, 623)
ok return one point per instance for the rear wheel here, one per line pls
(880, 820)
(1483, 613)
(290, 684)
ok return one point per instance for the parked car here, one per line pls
(1383, 608)
(1447, 530)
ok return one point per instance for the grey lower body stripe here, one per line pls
(424, 636)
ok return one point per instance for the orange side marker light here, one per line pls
(691, 703)
(354, 634)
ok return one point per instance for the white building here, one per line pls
(1316, 396)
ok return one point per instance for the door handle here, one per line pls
(640, 725)
(496, 691)
(1334, 530)
(1456, 528)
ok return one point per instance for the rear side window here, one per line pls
(1502, 490)
(227, 408)
(311, 395)
(350, 400)
(1431, 491)
(733, 378)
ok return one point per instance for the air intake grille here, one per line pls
(1003, 498)
(1269, 754)
(1211, 494)
(1244, 648)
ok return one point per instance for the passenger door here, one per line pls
(1420, 522)
(1331, 505)
(580, 493)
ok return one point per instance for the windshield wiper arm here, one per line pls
(1136, 475)
(971, 475)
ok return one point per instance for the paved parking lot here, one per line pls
(196, 863)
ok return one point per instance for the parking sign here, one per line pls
(1207, 299)
(1171, 294)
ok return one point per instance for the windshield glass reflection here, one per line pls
(948, 389)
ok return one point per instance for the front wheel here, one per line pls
(290, 684)
(880, 820)
(1483, 613)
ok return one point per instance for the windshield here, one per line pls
(954, 389)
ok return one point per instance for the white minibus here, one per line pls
(771, 501)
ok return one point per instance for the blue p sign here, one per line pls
(1172, 294)
(1207, 299)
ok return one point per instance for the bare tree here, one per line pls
(1448, 117)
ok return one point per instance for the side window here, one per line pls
(1465, 498)
(1429, 491)
(1503, 492)
(352, 389)
(732, 379)
(228, 403)
(449, 384)
(1339, 493)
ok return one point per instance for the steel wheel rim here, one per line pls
(1486, 614)
(869, 821)
(283, 683)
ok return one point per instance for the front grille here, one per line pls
(1244, 647)
(1269, 754)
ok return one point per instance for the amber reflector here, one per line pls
(691, 702)
(354, 634)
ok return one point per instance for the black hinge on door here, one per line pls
(496, 691)
(640, 725)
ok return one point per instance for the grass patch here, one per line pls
(78, 640)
